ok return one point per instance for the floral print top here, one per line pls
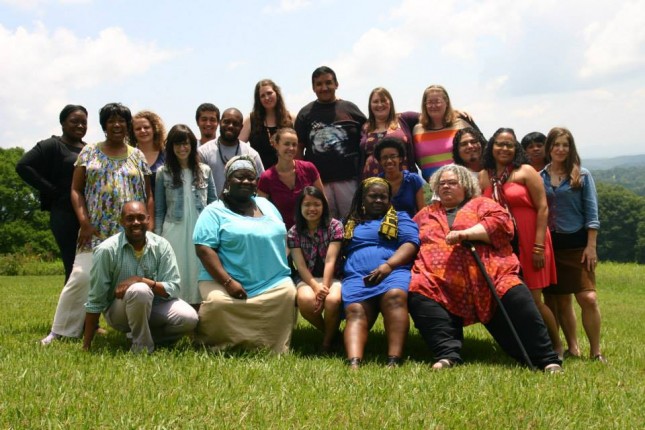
(109, 183)
(449, 275)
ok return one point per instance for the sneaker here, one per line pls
(49, 338)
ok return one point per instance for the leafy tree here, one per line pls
(632, 178)
(622, 224)
(24, 228)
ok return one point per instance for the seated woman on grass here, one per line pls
(447, 290)
(315, 242)
(380, 244)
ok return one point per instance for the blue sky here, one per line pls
(530, 65)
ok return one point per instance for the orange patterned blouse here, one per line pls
(448, 274)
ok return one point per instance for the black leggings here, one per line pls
(64, 225)
(443, 331)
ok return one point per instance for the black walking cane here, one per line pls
(491, 287)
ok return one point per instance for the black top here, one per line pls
(260, 141)
(331, 134)
(49, 167)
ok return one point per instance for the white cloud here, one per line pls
(41, 69)
(286, 6)
(358, 65)
(618, 44)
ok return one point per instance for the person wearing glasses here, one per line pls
(433, 135)
(407, 188)
(509, 180)
(447, 291)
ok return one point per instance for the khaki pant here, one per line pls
(149, 322)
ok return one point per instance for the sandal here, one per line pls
(553, 369)
(394, 361)
(601, 358)
(354, 362)
(444, 363)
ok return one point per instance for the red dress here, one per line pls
(521, 206)
(448, 274)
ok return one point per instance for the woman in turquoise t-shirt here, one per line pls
(248, 297)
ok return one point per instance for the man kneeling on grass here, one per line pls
(134, 281)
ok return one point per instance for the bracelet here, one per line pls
(538, 251)
(537, 245)
(152, 287)
(227, 282)
(389, 265)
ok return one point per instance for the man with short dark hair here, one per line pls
(207, 117)
(329, 133)
(134, 282)
(216, 153)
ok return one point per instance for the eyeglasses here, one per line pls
(451, 184)
(434, 102)
(508, 145)
(389, 157)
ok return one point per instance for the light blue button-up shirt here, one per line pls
(114, 261)
(571, 209)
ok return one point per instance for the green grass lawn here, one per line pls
(62, 387)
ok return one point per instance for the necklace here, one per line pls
(270, 130)
(559, 176)
(219, 151)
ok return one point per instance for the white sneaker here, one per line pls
(49, 338)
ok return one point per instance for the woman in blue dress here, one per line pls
(380, 244)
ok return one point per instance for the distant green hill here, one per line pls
(610, 163)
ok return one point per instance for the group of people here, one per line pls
(324, 213)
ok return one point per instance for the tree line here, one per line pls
(24, 228)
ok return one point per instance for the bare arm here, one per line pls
(150, 203)
(91, 322)
(246, 130)
(87, 230)
(209, 258)
(303, 270)
(535, 185)
(589, 255)
(403, 255)
(476, 233)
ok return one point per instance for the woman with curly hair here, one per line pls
(149, 135)
(184, 188)
(268, 115)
